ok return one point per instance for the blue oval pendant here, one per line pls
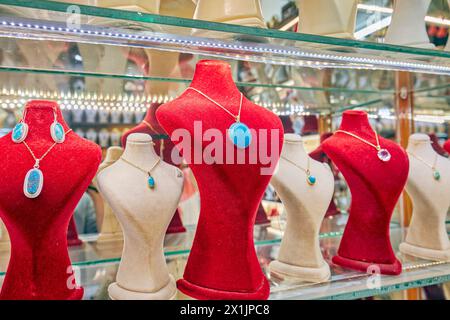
(19, 132)
(33, 183)
(151, 182)
(311, 180)
(57, 132)
(240, 135)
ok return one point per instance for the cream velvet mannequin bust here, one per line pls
(334, 18)
(144, 214)
(407, 26)
(4, 238)
(427, 235)
(300, 256)
(110, 229)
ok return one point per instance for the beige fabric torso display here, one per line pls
(144, 214)
(407, 26)
(110, 229)
(300, 256)
(427, 235)
(334, 18)
(5, 244)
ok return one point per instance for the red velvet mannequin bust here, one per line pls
(375, 187)
(39, 267)
(436, 145)
(162, 145)
(447, 146)
(319, 155)
(223, 263)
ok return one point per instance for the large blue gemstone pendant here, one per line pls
(57, 132)
(33, 183)
(151, 182)
(240, 135)
(19, 132)
(311, 179)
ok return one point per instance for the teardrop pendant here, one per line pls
(151, 181)
(19, 132)
(436, 175)
(311, 179)
(57, 132)
(33, 183)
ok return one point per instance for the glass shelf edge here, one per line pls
(221, 27)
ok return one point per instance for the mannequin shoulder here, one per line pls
(172, 172)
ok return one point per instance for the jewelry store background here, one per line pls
(97, 202)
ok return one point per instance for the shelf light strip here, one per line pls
(319, 60)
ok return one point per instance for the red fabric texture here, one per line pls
(39, 267)
(222, 263)
(437, 146)
(261, 216)
(311, 124)
(319, 155)
(72, 234)
(375, 187)
(176, 225)
(447, 146)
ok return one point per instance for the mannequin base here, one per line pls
(110, 236)
(425, 253)
(203, 293)
(176, 229)
(74, 242)
(248, 22)
(284, 270)
(389, 269)
(169, 292)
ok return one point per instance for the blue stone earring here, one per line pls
(19, 132)
(57, 130)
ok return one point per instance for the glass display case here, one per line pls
(105, 67)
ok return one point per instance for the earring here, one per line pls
(57, 130)
(20, 130)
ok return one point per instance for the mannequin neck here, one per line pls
(209, 73)
(39, 116)
(293, 148)
(356, 122)
(139, 150)
(113, 154)
(150, 116)
(420, 145)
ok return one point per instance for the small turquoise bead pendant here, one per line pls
(57, 132)
(436, 175)
(19, 132)
(33, 183)
(240, 135)
(310, 179)
(150, 181)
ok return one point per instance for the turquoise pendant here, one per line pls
(19, 132)
(57, 132)
(240, 135)
(151, 181)
(436, 175)
(33, 183)
(311, 179)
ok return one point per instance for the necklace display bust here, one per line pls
(144, 213)
(110, 229)
(223, 263)
(427, 234)
(375, 187)
(39, 267)
(306, 205)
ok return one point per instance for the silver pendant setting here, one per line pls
(384, 155)
(33, 183)
(240, 135)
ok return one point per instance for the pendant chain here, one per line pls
(377, 146)
(236, 118)
(139, 168)
(433, 167)
(307, 171)
(38, 160)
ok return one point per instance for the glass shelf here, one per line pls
(344, 283)
(47, 21)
